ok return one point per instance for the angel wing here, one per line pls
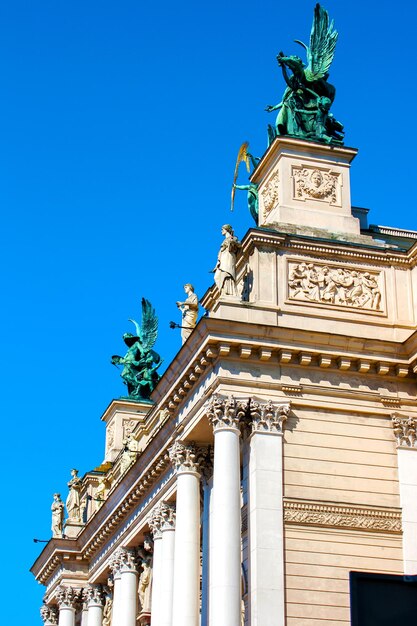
(149, 331)
(323, 38)
(242, 155)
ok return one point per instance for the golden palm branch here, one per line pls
(242, 155)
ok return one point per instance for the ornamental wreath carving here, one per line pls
(328, 284)
(317, 185)
(270, 194)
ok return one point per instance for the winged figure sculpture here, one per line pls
(304, 110)
(141, 362)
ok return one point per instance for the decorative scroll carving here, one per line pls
(270, 193)
(93, 595)
(404, 431)
(68, 597)
(309, 513)
(314, 282)
(225, 412)
(49, 615)
(317, 185)
(268, 417)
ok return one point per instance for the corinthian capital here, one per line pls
(93, 595)
(184, 457)
(225, 411)
(68, 597)
(404, 430)
(124, 560)
(269, 417)
(49, 615)
(167, 510)
(155, 522)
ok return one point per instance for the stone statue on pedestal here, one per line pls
(57, 509)
(140, 361)
(304, 111)
(189, 310)
(225, 269)
(145, 554)
(73, 500)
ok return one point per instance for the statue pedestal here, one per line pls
(72, 529)
(306, 184)
(121, 418)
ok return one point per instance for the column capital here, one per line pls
(93, 595)
(68, 597)
(162, 518)
(225, 412)
(124, 560)
(187, 457)
(404, 430)
(268, 417)
(49, 614)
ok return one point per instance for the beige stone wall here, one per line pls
(318, 562)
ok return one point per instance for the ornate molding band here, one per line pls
(268, 417)
(334, 285)
(355, 518)
(225, 411)
(404, 430)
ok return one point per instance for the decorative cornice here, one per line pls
(68, 597)
(49, 615)
(329, 515)
(404, 430)
(269, 417)
(94, 595)
(225, 411)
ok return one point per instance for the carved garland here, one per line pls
(270, 194)
(308, 513)
(315, 184)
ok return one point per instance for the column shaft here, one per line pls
(206, 554)
(186, 601)
(128, 598)
(168, 546)
(156, 581)
(66, 616)
(225, 577)
(115, 618)
(95, 615)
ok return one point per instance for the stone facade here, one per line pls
(278, 451)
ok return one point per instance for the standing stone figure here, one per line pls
(145, 554)
(129, 454)
(57, 509)
(189, 310)
(73, 500)
(225, 270)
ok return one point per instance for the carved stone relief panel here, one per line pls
(110, 437)
(128, 427)
(317, 184)
(270, 194)
(335, 285)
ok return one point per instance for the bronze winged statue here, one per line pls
(304, 111)
(140, 362)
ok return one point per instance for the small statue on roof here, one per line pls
(140, 362)
(304, 111)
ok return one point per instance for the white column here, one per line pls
(186, 594)
(129, 588)
(266, 523)
(124, 566)
(225, 575)
(205, 574)
(168, 545)
(405, 433)
(115, 569)
(67, 598)
(95, 602)
(155, 523)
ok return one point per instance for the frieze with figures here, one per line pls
(334, 285)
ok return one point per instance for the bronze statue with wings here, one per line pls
(304, 111)
(140, 362)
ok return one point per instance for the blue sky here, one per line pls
(119, 128)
